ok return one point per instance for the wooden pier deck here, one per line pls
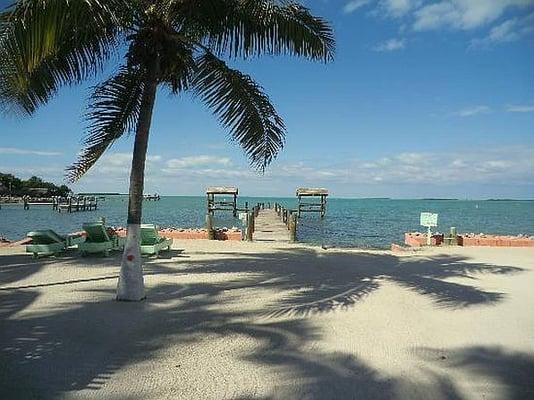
(268, 227)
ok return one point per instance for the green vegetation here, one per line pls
(35, 186)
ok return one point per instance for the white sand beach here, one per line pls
(236, 320)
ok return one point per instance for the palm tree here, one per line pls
(177, 45)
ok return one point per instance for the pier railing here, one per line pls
(289, 218)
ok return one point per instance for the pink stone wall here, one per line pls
(186, 234)
(416, 239)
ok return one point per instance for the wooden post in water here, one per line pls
(250, 226)
(209, 226)
(293, 227)
(235, 205)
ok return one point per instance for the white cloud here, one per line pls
(216, 174)
(505, 164)
(412, 158)
(513, 165)
(155, 158)
(198, 161)
(463, 14)
(117, 166)
(353, 5)
(508, 31)
(426, 15)
(520, 108)
(390, 45)
(470, 111)
(28, 152)
(54, 172)
(398, 8)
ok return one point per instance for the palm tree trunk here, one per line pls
(131, 284)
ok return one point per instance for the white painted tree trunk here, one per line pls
(131, 285)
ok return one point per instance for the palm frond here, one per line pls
(43, 46)
(113, 111)
(245, 28)
(241, 106)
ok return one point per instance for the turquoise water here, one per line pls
(348, 223)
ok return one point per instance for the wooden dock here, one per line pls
(269, 227)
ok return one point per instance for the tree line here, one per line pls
(34, 186)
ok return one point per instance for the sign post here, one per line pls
(429, 220)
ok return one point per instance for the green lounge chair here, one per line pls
(151, 242)
(47, 242)
(99, 241)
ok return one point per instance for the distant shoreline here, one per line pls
(17, 200)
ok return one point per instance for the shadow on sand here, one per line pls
(73, 346)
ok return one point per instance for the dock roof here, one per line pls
(221, 190)
(312, 192)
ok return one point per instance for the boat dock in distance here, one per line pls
(69, 205)
(152, 197)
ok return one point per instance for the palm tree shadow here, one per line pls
(508, 371)
(81, 346)
(15, 267)
(313, 282)
(429, 278)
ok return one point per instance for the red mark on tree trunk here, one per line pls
(130, 257)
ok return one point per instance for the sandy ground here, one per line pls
(271, 321)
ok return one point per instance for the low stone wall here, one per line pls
(220, 234)
(417, 239)
(186, 234)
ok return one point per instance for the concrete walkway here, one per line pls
(270, 228)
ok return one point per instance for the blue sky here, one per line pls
(424, 99)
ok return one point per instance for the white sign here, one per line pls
(243, 216)
(429, 219)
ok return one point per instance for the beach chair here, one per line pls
(99, 241)
(47, 242)
(151, 242)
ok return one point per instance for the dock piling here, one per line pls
(250, 226)
(293, 228)
(209, 226)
